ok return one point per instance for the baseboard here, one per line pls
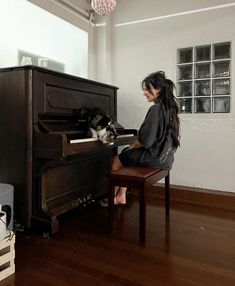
(196, 196)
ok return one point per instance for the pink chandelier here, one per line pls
(103, 7)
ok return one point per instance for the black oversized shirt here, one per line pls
(156, 140)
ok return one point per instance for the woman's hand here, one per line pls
(135, 144)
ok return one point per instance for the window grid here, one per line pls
(219, 78)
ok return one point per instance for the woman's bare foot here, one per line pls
(119, 197)
(120, 200)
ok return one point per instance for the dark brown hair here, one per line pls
(169, 104)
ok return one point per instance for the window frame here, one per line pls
(219, 103)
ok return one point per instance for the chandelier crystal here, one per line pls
(103, 7)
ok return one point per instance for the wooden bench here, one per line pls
(140, 179)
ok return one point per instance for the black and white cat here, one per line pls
(97, 123)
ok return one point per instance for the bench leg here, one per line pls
(110, 208)
(142, 213)
(167, 194)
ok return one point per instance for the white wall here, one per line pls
(206, 157)
(125, 55)
(24, 26)
(57, 9)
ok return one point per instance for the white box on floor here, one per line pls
(7, 256)
(6, 200)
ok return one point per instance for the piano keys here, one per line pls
(93, 139)
(44, 154)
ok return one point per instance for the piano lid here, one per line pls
(61, 123)
(66, 123)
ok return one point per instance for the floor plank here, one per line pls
(196, 247)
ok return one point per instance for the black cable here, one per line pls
(11, 233)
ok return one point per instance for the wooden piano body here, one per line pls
(50, 174)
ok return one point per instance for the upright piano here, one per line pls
(50, 162)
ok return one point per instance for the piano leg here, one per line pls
(110, 207)
(48, 224)
(54, 224)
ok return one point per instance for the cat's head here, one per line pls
(105, 135)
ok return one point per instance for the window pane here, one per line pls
(49, 39)
(221, 69)
(202, 88)
(221, 86)
(221, 104)
(185, 105)
(185, 88)
(185, 55)
(221, 51)
(185, 72)
(203, 105)
(204, 78)
(203, 53)
(202, 70)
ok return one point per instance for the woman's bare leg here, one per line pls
(120, 198)
(117, 164)
(119, 192)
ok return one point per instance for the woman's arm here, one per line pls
(147, 135)
(135, 144)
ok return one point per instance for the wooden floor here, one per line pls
(196, 248)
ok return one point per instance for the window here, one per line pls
(34, 32)
(203, 78)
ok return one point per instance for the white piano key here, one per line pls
(93, 139)
(82, 140)
(125, 135)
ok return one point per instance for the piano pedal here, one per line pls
(46, 235)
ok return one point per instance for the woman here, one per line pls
(158, 136)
